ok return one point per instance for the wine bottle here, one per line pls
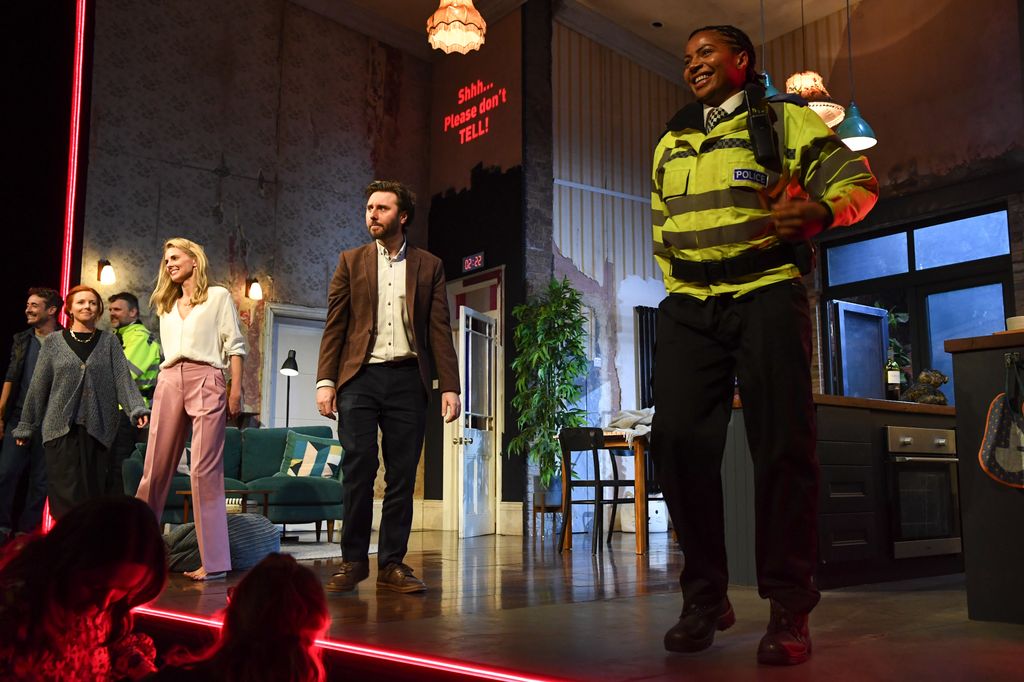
(892, 378)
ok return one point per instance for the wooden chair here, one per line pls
(592, 439)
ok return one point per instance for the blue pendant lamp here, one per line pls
(854, 131)
(769, 89)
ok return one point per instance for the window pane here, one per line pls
(982, 236)
(868, 259)
(959, 314)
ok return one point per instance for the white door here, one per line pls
(474, 435)
(292, 402)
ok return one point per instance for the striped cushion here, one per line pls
(250, 538)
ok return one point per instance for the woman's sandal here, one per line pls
(201, 576)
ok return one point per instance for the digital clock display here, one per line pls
(473, 262)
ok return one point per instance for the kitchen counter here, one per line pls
(993, 514)
(855, 509)
(874, 404)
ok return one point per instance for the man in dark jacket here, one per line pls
(41, 313)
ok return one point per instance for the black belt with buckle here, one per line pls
(748, 263)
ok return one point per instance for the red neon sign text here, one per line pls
(471, 122)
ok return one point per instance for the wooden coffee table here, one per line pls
(244, 494)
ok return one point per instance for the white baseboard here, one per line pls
(431, 516)
(510, 518)
(426, 514)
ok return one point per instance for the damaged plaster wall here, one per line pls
(251, 127)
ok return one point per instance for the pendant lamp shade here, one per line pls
(855, 132)
(456, 26)
(769, 88)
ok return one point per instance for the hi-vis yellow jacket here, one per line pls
(142, 351)
(711, 200)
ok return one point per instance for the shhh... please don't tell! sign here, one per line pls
(476, 100)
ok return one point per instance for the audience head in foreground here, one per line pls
(273, 619)
(65, 612)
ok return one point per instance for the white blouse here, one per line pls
(211, 332)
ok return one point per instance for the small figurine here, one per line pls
(926, 389)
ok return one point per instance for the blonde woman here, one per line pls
(201, 337)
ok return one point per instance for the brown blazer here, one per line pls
(352, 317)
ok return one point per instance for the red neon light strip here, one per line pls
(369, 652)
(73, 143)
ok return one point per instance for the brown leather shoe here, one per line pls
(788, 639)
(351, 573)
(696, 628)
(399, 578)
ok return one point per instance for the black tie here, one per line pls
(714, 116)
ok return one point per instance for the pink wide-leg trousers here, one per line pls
(196, 391)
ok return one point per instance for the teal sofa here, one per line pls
(252, 461)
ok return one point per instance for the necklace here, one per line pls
(87, 339)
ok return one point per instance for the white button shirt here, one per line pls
(394, 329)
(211, 332)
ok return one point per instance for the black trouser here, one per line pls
(764, 340)
(76, 470)
(14, 459)
(393, 399)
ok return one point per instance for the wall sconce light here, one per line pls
(253, 289)
(105, 272)
(456, 26)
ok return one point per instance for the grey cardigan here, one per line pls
(99, 383)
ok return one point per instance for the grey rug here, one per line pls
(308, 549)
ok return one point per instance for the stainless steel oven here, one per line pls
(923, 491)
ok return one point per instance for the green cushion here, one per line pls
(297, 490)
(311, 456)
(264, 449)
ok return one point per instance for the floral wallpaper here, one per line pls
(251, 127)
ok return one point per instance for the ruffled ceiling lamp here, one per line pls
(811, 86)
(456, 26)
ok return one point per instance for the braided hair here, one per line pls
(740, 42)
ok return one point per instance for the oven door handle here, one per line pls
(926, 460)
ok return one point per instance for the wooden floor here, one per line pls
(500, 601)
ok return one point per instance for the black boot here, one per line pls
(788, 639)
(695, 630)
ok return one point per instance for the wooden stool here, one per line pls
(542, 508)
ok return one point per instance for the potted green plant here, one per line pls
(551, 358)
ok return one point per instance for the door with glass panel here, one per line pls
(474, 433)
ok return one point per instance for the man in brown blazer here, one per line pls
(387, 312)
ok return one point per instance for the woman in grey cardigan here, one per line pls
(79, 379)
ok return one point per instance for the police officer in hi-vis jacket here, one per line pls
(740, 183)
